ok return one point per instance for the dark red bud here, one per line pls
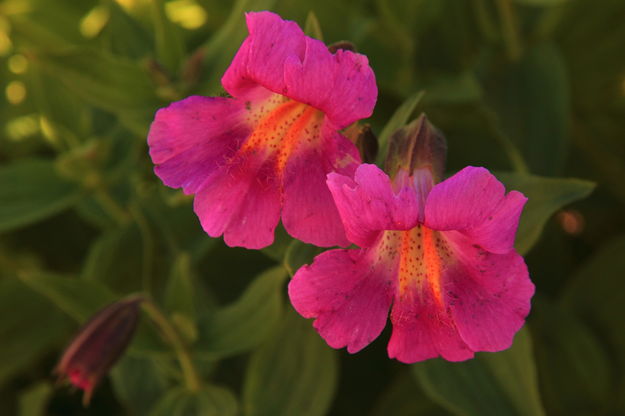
(99, 344)
(418, 145)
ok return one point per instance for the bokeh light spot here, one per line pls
(15, 92)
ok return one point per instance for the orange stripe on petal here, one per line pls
(422, 255)
(281, 125)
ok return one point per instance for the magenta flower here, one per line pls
(265, 153)
(439, 257)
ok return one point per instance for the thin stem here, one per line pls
(108, 203)
(509, 28)
(190, 374)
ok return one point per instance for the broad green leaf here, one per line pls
(545, 197)
(248, 321)
(111, 83)
(299, 254)
(312, 27)
(451, 88)
(31, 190)
(30, 329)
(532, 99)
(33, 401)
(397, 120)
(596, 293)
(78, 298)
(138, 382)
(294, 373)
(124, 35)
(116, 260)
(208, 401)
(569, 354)
(502, 383)
(403, 397)
(180, 293)
(169, 45)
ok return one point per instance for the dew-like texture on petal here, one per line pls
(191, 139)
(349, 299)
(278, 56)
(242, 202)
(367, 204)
(488, 294)
(309, 212)
(474, 201)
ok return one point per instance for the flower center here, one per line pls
(421, 255)
(280, 125)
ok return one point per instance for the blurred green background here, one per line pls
(534, 90)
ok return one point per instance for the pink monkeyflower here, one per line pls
(265, 153)
(440, 257)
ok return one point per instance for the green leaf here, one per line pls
(569, 354)
(403, 397)
(209, 401)
(138, 382)
(31, 190)
(545, 197)
(294, 373)
(248, 321)
(30, 329)
(397, 120)
(502, 383)
(169, 45)
(78, 298)
(34, 400)
(298, 254)
(596, 293)
(116, 259)
(532, 99)
(180, 291)
(111, 83)
(312, 27)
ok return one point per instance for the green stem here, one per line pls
(190, 374)
(106, 201)
(509, 28)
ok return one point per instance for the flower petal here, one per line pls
(191, 138)
(423, 329)
(242, 202)
(278, 56)
(341, 85)
(309, 213)
(349, 298)
(368, 205)
(474, 202)
(261, 57)
(489, 294)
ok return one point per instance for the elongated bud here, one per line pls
(416, 146)
(99, 344)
